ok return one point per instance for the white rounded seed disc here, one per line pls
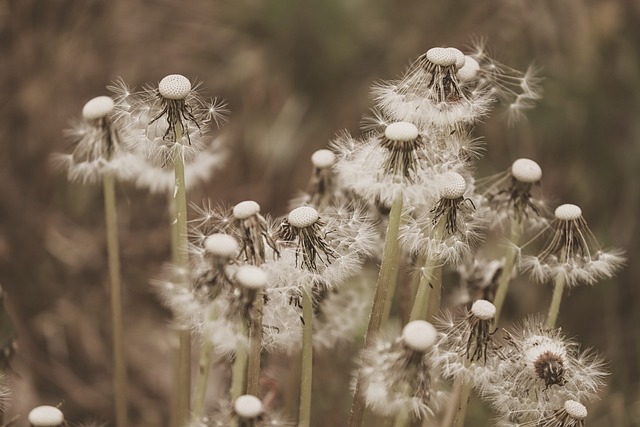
(568, 212)
(469, 70)
(453, 185)
(251, 277)
(174, 86)
(244, 210)
(221, 245)
(441, 56)
(460, 59)
(401, 131)
(323, 158)
(419, 335)
(247, 406)
(303, 217)
(97, 108)
(483, 309)
(526, 170)
(45, 416)
(575, 409)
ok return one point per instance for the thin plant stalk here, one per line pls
(239, 369)
(507, 269)
(387, 271)
(433, 305)
(255, 348)
(393, 284)
(306, 375)
(175, 393)
(423, 294)
(554, 308)
(113, 253)
(463, 401)
(181, 261)
(204, 366)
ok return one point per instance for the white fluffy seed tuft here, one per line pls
(251, 277)
(460, 58)
(303, 217)
(526, 170)
(174, 86)
(575, 409)
(221, 245)
(323, 158)
(247, 406)
(568, 212)
(441, 56)
(453, 185)
(246, 209)
(483, 309)
(469, 70)
(419, 335)
(45, 416)
(401, 131)
(97, 108)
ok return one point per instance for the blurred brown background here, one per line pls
(294, 73)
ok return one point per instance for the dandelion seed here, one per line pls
(46, 416)
(573, 252)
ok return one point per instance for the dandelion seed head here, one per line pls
(303, 217)
(419, 335)
(441, 56)
(221, 245)
(45, 416)
(453, 185)
(246, 209)
(97, 108)
(526, 170)
(401, 131)
(174, 86)
(469, 70)
(248, 406)
(251, 277)
(323, 158)
(460, 58)
(575, 409)
(568, 212)
(483, 309)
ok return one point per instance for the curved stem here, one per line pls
(507, 270)
(554, 308)
(306, 376)
(113, 253)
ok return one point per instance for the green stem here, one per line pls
(507, 270)
(239, 370)
(387, 271)
(463, 402)
(391, 290)
(306, 376)
(120, 368)
(204, 367)
(433, 305)
(423, 294)
(255, 348)
(554, 309)
(181, 261)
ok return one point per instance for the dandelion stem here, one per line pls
(393, 283)
(509, 264)
(423, 294)
(402, 419)
(433, 305)
(304, 414)
(239, 369)
(204, 366)
(463, 401)
(120, 375)
(554, 309)
(255, 347)
(387, 271)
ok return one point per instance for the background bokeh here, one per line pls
(294, 73)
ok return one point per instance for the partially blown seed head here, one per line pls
(453, 185)
(401, 131)
(251, 277)
(460, 58)
(246, 209)
(174, 86)
(46, 416)
(419, 335)
(248, 406)
(526, 170)
(575, 409)
(97, 108)
(441, 56)
(221, 245)
(303, 217)
(568, 212)
(483, 309)
(469, 70)
(323, 158)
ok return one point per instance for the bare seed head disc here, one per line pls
(469, 70)
(483, 309)
(526, 170)
(303, 217)
(222, 245)
(45, 416)
(247, 406)
(174, 86)
(441, 56)
(97, 108)
(251, 277)
(453, 185)
(568, 212)
(419, 335)
(246, 209)
(323, 158)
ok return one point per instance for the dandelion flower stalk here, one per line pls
(556, 299)
(204, 366)
(304, 417)
(509, 264)
(387, 270)
(239, 370)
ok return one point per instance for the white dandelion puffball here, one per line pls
(469, 70)
(526, 170)
(174, 86)
(221, 245)
(323, 158)
(441, 56)
(460, 58)
(568, 212)
(575, 409)
(247, 406)
(97, 108)
(246, 209)
(483, 309)
(45, 416)
(251, 277)
(419, 335)
(401, 131)
(453, 185)
(303, 217)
